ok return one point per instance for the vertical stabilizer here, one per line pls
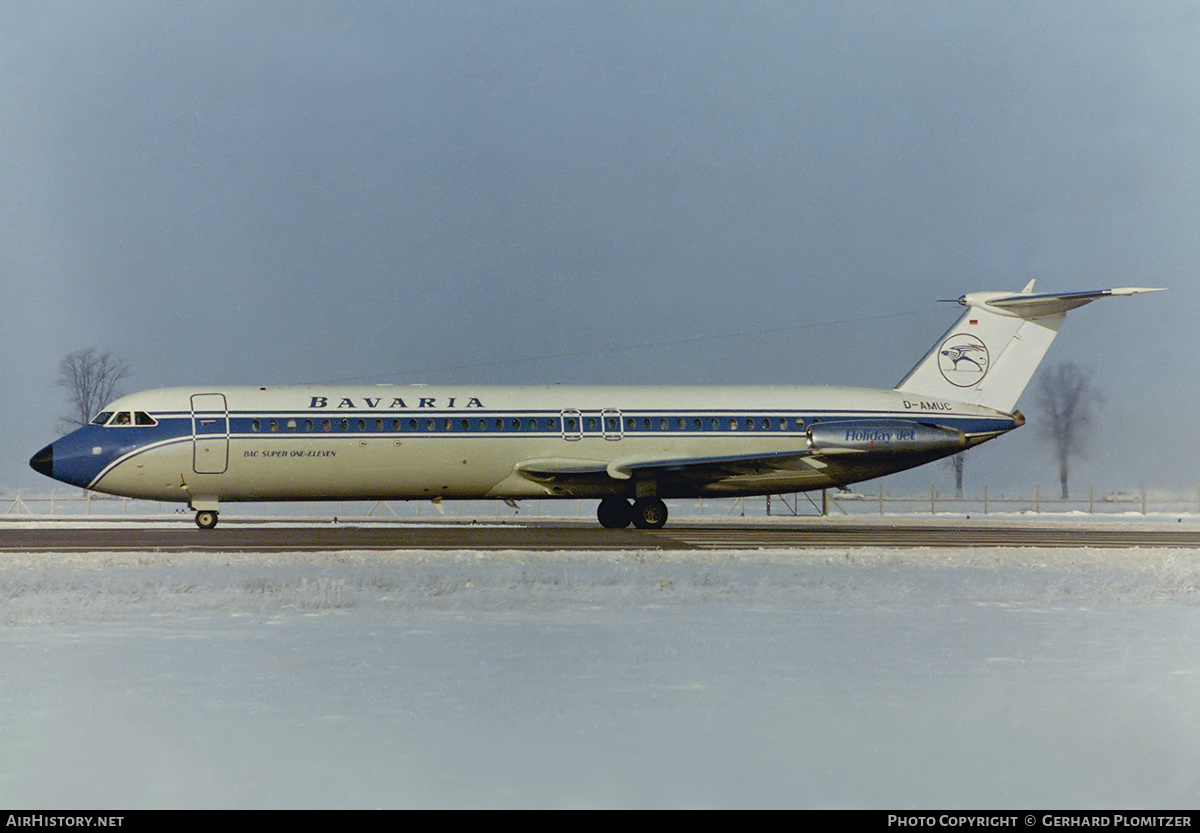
(990, 354)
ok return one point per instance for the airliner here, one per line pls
(628, 447)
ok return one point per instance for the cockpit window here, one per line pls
(124, 418)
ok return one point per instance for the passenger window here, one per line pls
(254, 426)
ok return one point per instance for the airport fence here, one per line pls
(832, 503)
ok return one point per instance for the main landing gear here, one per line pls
(645, 513)
(206, 519)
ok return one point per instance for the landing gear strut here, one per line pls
(645, 513)
(206, 519)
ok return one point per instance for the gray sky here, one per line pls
(686, 192)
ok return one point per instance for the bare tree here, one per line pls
(958, 463)
(91, 379)
(1067, 401)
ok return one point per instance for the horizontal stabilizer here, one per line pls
(1051, 303)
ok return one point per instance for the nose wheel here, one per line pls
(206, 519)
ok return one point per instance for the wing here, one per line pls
(841, 451)
(692, 469)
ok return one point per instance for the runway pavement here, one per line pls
(250, 536)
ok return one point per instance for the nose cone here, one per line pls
(43, 461)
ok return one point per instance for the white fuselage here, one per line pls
(418, 442)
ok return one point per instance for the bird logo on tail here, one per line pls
(963, 360)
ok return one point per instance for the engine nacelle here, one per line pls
(884, 436)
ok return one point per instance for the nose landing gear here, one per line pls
(206, 519)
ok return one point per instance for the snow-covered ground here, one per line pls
(893, 678)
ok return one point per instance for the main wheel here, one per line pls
(649, 513)
(614, 513)
(206, 519)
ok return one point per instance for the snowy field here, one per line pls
(886, 678)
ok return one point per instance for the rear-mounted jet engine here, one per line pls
(884, 436)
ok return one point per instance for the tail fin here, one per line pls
(990, 354)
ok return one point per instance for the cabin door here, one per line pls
(210, 433)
